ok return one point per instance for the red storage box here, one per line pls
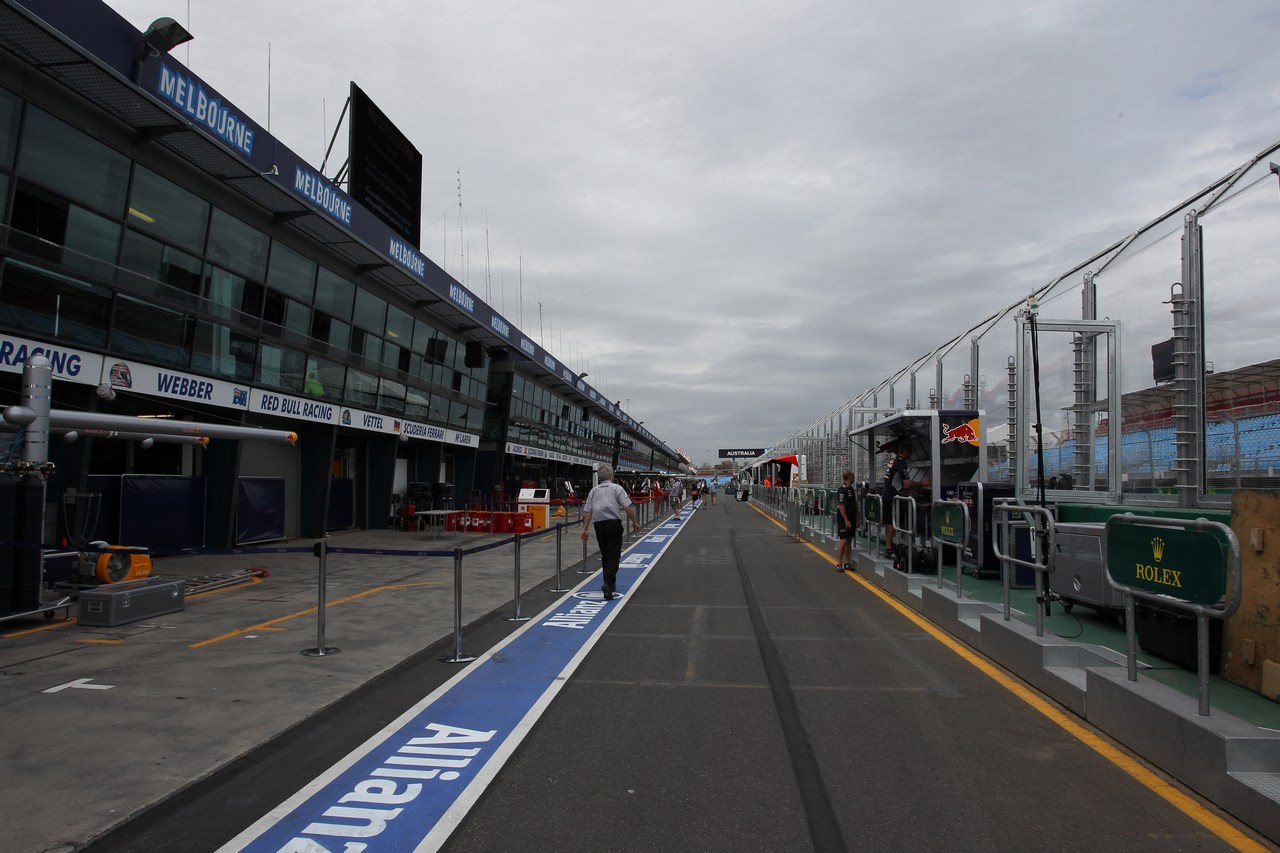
(474, 522)
(503, 522)
(524, 522)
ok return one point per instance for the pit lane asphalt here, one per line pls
(747, 697)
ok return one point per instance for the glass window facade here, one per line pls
(93, 240)
(232, 295)
(113, 256)
(35, 301)
(291, 274)
(282, 369)
(224, 352)
(165, 210)
(370, 313)
(237, 247)
(334, 295)
(10, 109)
(147, 332)
(158, 262)
(58, 157)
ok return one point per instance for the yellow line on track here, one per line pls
(72, 620)
(1099, 744)
(265, 626)
(270, 624)
(47, 627)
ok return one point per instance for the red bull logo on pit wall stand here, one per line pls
(966, 432)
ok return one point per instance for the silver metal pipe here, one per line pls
(150, 426)
(457, 656)
(516, 617)
(559, 587)
(37, 397)
(321, 550)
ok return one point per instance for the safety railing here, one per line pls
(1176, 563)
(946, 533)
(1039, 523)
(323, 549)
(872, 519)
(815, 516)
(908, 503)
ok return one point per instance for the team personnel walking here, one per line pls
(712, 488)
(604, 509)
(846, 522)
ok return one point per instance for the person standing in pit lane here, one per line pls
(604, 509)
(846, 522)
(712, 488)
(895, 480)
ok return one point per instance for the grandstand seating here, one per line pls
(1150, 454)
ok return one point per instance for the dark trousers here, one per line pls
(609, 535)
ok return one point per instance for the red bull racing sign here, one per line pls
(965, 432)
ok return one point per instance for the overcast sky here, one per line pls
(738, 215)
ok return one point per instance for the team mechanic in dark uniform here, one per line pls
(846, 522)
(895, 480)
(605, 507)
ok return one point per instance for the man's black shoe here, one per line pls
(608, 591)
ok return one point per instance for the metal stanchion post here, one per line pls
(516, 617)
(583, 570)
(458, 656)
(321, 550)
(559, 587)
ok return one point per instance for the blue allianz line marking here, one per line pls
(409, 786)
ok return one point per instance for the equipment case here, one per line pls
(121, 603)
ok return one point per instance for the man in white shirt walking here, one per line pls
(604, 509)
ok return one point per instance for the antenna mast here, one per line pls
(462, 254)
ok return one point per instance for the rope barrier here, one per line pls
(62, 550)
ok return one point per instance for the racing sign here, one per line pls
(966, 433)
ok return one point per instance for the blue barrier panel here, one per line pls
(342, 505)
(260, 510)
(162, 512)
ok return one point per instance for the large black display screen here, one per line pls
(385, 169)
